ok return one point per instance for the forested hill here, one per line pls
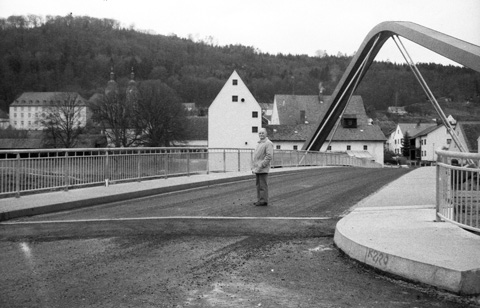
(77, 53)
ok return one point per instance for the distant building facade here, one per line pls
(430, 140)
(395, 139)
(31, 108)
(294, 119)
(397, 110)
(234, 116)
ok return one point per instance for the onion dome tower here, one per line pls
(132, 93)
(112, 87)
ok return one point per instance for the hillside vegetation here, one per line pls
(77, 53)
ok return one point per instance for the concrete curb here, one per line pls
(464, 282)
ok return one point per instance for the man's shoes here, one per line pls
(260, 204)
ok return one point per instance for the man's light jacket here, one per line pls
(262, 156)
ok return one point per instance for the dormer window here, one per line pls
(349, 121)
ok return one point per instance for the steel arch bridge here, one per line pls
(450, 47)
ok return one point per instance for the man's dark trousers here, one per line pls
(262, 187)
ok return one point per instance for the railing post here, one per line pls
(251, 156)
(65, 172)
(139, 167)
(208, 161)
(238, 160)
(167, 157)
(188, 162)
(224, 161)
(107, 168)
(437, 193)
(17, 176)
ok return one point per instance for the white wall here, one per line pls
(432, 142)
(287, 145)
(374, 148)
(395, 141)
(30, 117)
(230, 123)
(453, 146)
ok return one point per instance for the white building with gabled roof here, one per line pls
(429, 140)
(234, 116)
(294, 119)
(29, 110)
(394, 142)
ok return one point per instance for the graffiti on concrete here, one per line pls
(376, 257)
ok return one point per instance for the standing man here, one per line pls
(261, 166)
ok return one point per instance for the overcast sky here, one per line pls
(276, 26)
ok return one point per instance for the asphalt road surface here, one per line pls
(207, 247)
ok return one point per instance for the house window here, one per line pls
(349, 147)
(277, 147)
(295, 147)
(254, 114)
(449, 141)
(329, 148)
(14, 115)
(234, 82)
(234, 98)
(254, 129)
(365, 147)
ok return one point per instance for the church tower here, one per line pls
(132, 93)
(112, 87)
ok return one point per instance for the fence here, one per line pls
(29, 171)
(458, 189)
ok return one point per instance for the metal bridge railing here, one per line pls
(458, 189)
(32, 171)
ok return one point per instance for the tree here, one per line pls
(406, 145)
(63, 120)
(115, 114)
(160, 115)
